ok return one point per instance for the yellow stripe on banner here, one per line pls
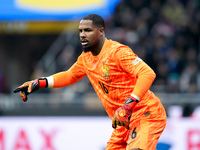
(37, 27)
(51, 27)
(52, 4)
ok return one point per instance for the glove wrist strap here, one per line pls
(43, 83)
(131, 102)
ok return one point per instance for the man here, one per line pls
(121, 80)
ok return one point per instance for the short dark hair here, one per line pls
(96, 20)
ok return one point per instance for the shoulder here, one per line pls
(114, 44)
(116, 47)
(119, 49)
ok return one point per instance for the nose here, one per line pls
(82, 34)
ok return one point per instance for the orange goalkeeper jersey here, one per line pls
(115, 74)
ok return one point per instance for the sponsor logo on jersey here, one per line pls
(136, 61)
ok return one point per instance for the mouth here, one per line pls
(84, 42)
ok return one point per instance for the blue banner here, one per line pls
(54, 10)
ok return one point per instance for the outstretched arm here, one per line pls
(61, 79)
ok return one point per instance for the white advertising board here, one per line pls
(181, 134)
(85, 133)
(59, 133)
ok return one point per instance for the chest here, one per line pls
(105, 69)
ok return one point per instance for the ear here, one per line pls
(101, 31)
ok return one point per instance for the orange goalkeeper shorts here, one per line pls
(143, 134)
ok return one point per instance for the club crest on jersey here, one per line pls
(105, 69)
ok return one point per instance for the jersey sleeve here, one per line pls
(137, 68)
(65, 78)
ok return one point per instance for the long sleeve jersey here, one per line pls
(115, 73)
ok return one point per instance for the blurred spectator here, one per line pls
(174, 12)
(190, 79)
(2, 81)
(173, 60)
(173, 83)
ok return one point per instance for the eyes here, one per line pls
(85, 30)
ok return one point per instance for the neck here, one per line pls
(98, 48)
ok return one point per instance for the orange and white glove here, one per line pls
(123, 114)
(31, 86)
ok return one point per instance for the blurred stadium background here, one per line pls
(40, 38)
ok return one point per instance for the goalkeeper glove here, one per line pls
(31, 86)
(123, 114)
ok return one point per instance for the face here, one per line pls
(90, 35)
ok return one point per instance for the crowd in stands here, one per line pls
(166, 35)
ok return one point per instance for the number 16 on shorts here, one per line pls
(132, 136)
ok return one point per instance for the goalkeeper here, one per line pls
(121, 80)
